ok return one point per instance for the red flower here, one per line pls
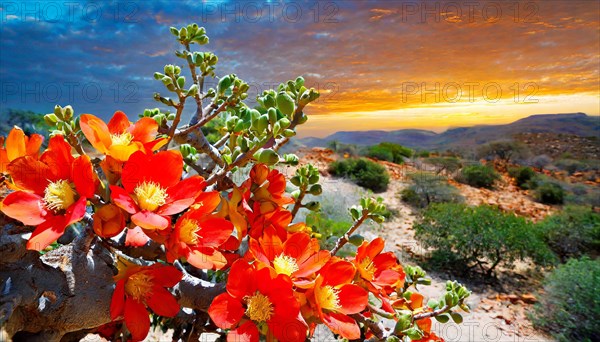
(381, 272)
(197, 237)
(153, 190)
(18, 145)
(120, 138)
(268, 214)
(258, 300)
(141, 286)
(55, 190)
(109, 221)
(335, 297)
(299, 256)
(267, 185)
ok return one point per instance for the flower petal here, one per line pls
(206, 258)
(353, 299)
(144, 130)
(182, 195)
(142, 168)
(58, 157)
(313, 264)
(342, 325)
(46, 233)
(15, 143)
(337, 273)
(162, 302)
(165, 276)
(240, 282)
(149, 220)
(33, 144)
(25, 207)
(96, 132)
(119, 123)
(30, 174)
(136, 237)
(226, 311)
(137, 319)
(121, 198)
(214, 232)
(84, 177)
(247, 332)
(117, 303)
(76, 211)
(289, 329)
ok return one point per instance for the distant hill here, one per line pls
(576, 123)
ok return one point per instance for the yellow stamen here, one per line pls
(188, 231)
(59, 195)
(328, 298)
(259, 307)
(150, 195)
(139, 285)
(367, 268)
(122, 139)
(285, 264)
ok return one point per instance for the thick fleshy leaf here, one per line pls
(84, 177)
(137, 319)
(30, 174)
(241, 279)
(119, 123)
(342, 325)
(96, 132)
(162, 302)
(247, 332)
(25, 207)
(353, 299)
(182, 195)
(149, 220)
(144, 130)
(226, 311)
(15, 143)
(121, 198)
(117, 303)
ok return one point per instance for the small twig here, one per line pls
(298, 203)
(222, 141)
(373, 326)
(446, 308)
(380, 312)
(344, 238)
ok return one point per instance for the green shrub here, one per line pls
(363, 172)
(522, 175)
(423, 154)
(550, 193)
(341, 148)
(481, 176)
(569, 308)
(481, 236)
(427, 188)
(445, 164)
(329, 229)
(571, 165)
(390, 152)
(572, 232)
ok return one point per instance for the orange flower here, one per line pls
(258, 300)
(335, 297)
(55, 191)
(18, 145)
(120, 138)
(141, 286)
(197, 237)
(299, 257)
(267, 185)
(268, 214)
(153, 189)
(109, 221)
(381, 272)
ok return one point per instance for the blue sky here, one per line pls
(363, 55)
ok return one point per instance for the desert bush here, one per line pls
(423, 154)
(341, 148)
(427, 188)
(505, 150)
(571, 165)
(572, 232)
(522, 175)
(389, 151)
(570, 306)
(481, 236)
(540, 161)
(550, 193)
(445, 164)
(481, 176)
(363, 172)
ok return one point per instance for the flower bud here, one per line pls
(109, 221)
(285, 103)
(51, 119)
(267, 156)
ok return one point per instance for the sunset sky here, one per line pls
(378, 64)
